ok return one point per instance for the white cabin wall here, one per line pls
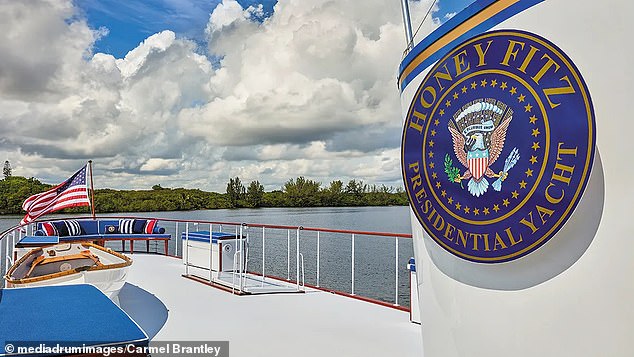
(588, 309)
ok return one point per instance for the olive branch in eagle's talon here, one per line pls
(453, 173)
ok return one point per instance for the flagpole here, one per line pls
(92, 192)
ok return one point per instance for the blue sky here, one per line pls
(130, 22)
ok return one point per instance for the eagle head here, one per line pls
(476, 141)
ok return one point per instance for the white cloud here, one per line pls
(225, 14)
(309, 91)
(38, 48)
(136, 58)
(157, 164)
(313, 70)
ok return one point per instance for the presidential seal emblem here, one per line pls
(497, 146)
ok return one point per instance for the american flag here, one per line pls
(70, 193)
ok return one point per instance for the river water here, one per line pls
(374, 257)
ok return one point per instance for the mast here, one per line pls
(92, 191)
(407, 23)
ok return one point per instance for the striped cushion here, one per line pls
(49, 229)
(125, 226)
(149, 226)
(65, 228)
(74, 229)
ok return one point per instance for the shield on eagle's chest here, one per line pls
(478, 161)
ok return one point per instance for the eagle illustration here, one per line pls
(478, 132)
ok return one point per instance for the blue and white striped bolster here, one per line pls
(125, 226)
(74, 229)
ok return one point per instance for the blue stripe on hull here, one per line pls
(446, 28)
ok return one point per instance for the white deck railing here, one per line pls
(266, 245)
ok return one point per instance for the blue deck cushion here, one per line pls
(89, 226)
(203, 236)
(37, 241)
(96, 229)
(117, 236)
(71, 315)
(105, 237)
(89, 237)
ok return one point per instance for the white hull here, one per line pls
(572, 296)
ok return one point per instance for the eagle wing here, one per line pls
(497, 141)
(458, 146)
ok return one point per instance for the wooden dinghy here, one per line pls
(71, 263)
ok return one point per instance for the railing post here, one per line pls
(7, 254)
(186, 252)
(263, 256)
(241, 257)
(246, 251)
(303, 271)
(176, 235)
(297, 254)
(396, 273)
(288, 254)
(236, 255)
(12, 249)
(211, 249)
(317, 258)
(4, 251)
(3, 262)
(352, 293)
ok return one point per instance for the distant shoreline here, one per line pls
(83, 211)
(300, 192)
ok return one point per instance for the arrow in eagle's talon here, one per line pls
(510, 161)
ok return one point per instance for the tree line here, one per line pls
(303, 192)
(297, 192)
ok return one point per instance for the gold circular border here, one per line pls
(582, 183)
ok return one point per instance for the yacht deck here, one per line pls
(170, 307)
